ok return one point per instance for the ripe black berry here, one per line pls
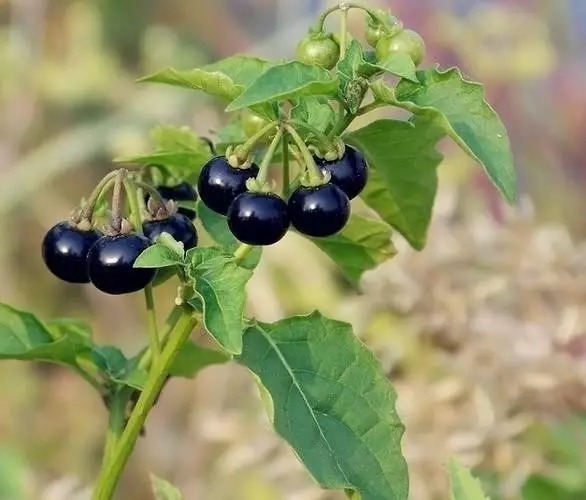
(319, 211)
(110, 262)
(180, 192)
(219, 183)
(177, 225)
(65, 249)
(258, 218)
(349, 173)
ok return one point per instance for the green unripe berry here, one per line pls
(319, 49)
(407, 42)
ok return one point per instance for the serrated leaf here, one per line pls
(159, 256)
(403, 178)
(163, 490)
(23, 336)
(361, 245)
(192, 358)
(216, 226)
(464, 486)
(332, 403)
(216, 277)
(288, 80)
(315, 111)
(460, 108)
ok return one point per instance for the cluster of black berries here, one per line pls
(260, 218)
(79, 255)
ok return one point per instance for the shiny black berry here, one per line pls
(65, 249)
(349, 173)
(258, 218)
(180, 192)
(177, 225)
(110, 262)
(319, 211)
(219, 183)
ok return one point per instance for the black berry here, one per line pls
(219, 183)
(180, 192)
(319, 211)
(258, 218)
(65, 249)
(177, 225)
(349, 173)
(110, 262)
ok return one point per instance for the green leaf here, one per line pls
(332, 403)
(159, 255)
(172, 138)
(24, 337)
(72, 328)
(192, 358)
(217, 278)
(286, 81)
(163, 490)
(460, 108)
(399, 64)
(540, 487)
(216, 226)
(403, 177)
(317, 112)
(188, 161)
(361, 245)
(464, 485)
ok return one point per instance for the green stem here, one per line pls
(147, 357)
(344, 6)
(116, 420)
(286, 166)
(313, 172)
(103, 186)
(263, 169)
(110, 474)
(154, 341)
(343, 29)
(151, 191)
(319, 134)
(116, 221)
(343, 123)
(249, 144)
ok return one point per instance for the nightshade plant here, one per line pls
(286, 161)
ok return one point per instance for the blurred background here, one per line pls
(483, 333)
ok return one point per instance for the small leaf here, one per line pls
(361, 245)
(399, 64)
(71, 328)
(332, 403)
(24, 337)
(216, 226)
(192, 358)
(460, 108)
(158, 256)
(315, 111)
(163, 490)
(286, 81)
(403, 178)
(216, 277)
(464, 485)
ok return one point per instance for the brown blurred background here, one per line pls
(483, 333)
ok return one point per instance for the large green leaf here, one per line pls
(464, 485)
(315, 111)
(403, 177)
(459, 106)
(220, 285)
(24, 337)
(216, 226)
(332, 403)
(225, 79)
(361, 245)
(286, 81)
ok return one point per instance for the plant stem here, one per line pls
(263, 169)
(116, 221)
(342, 124)
(103, 185)
(313, 172)
(286, 169)
(147, 356)
(110, 474)
(343, 29)
(249, 144)
(319, 134)
(115, 423)
(151, 191)
(319, 25)
(154, 341)
(242, 252)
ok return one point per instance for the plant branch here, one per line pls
(286, 166)
(263, 169)
(110, 474)
(313, 172)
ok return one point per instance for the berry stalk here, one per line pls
(314, 175)
(263, 169)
